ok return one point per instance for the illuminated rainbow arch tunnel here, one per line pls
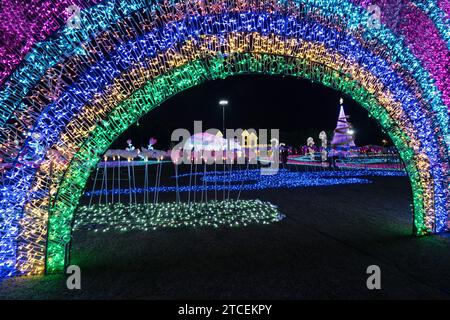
(67, 93)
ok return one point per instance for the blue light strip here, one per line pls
(285, 179)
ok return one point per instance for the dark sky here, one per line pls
(256, 101)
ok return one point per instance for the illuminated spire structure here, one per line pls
(343, 134)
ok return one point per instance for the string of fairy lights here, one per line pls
(147, 217)
(73, 94)
(231, 180)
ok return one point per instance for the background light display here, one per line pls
(67, 95)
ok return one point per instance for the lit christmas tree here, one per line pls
(343, 134)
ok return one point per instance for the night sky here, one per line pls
(299, 108)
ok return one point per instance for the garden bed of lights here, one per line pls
(251, 179)
(121, 217)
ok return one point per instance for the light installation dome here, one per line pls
(205, 141)
(78, 89)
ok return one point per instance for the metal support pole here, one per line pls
(129, 182)
(190, 185)
(101, 191)
(118, 180)
(113, 178)
(106, 183)
(93, 187)
(176, 181)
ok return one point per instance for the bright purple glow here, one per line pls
(342, 136)
(27, 22)
(445, 6)
(421, 37)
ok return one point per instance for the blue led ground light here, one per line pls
(285, 179)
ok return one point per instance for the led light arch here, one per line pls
(102, 137)
(407, 95)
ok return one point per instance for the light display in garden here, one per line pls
(145, 217)
(248, 180)
(69, 89)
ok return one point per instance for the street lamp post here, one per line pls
(223, 103)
